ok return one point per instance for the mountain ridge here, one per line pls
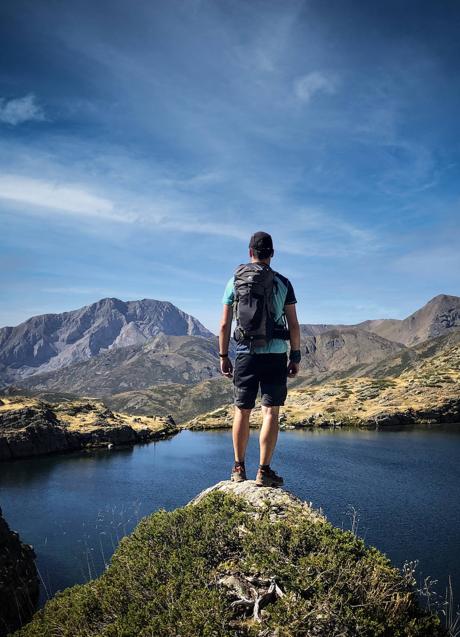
(49, 342)
(113, 346)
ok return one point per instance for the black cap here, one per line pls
(261, 242)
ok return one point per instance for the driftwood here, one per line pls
(250, 594)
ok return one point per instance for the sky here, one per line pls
(142, 143)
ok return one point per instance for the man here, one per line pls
(263, 365)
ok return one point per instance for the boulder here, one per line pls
(19, 585)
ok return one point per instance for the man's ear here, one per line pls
(251, 252)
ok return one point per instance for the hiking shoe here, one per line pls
(238, 473)
(268, 478)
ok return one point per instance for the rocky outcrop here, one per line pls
(279, 502)
(31, 427)
(19, 586)
(449, 412)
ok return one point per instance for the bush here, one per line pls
(163, 581)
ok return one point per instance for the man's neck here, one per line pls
(262, 261)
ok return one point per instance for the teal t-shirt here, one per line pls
(283, 294)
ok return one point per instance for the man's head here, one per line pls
(261, 247)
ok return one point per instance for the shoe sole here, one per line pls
(237, 479)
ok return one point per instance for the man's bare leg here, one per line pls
(240, 432)
(268, 433)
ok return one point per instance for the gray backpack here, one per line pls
(253, 284)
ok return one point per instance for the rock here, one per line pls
(280, 501)
(36, 430)
(31, 432)
(19, 585)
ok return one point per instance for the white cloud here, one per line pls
(307, 86)
(20, 109)
(60, 198)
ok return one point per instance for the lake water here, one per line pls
(404, 485)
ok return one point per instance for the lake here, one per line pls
(75, 508)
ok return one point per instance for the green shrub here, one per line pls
(163, 581)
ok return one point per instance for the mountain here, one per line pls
(423, 391)
(331, 350)
(437, 317)
(339, 349)
(408, 358)
(149, 357)
(50, 342)
(162, 359)
(312, 329)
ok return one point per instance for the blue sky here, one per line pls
(141, 143)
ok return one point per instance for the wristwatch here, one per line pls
(295, 356)
(224, 355)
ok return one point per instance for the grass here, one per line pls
(165, 580)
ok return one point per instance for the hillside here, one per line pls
(399, 359)
(339, 349)
(32, 427)
(52, 341)
(240, 561)
(181, 401)
(428, 392)
(163, 359)
(108, 374)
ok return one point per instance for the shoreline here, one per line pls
(30, 428)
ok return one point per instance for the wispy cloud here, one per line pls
(59, 198)
(307, 86)
(174, 212)
(310, 231)
(18, 110)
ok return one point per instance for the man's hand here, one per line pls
(226, 367)
(292, 369)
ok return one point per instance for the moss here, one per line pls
(163, 580)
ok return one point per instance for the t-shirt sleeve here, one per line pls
(229, 294)
(290, 296)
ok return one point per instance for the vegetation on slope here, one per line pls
(428, 392)
(30, 427)
(217, 569)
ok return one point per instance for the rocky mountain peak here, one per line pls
(51, 341)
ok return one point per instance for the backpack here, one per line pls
(253, 285)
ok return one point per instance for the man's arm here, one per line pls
(294, 333)
(224, 339)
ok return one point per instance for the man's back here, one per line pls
(283, 294)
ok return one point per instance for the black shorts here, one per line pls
(267, 370)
